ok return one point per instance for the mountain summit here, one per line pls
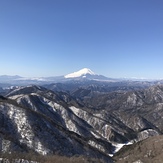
(85, 73)
(81, 73)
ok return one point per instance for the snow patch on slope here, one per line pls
(119, 146)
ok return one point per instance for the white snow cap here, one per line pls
(80, 73)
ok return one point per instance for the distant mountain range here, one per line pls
(81, 75)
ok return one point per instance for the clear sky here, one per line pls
(115, 38)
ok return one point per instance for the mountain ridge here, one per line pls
(89, 120)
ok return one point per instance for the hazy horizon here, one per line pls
(62, 75)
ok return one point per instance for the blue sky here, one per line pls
(116, 38)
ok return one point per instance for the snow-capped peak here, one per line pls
(80, 73)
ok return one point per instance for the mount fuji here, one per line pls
(85, 73)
